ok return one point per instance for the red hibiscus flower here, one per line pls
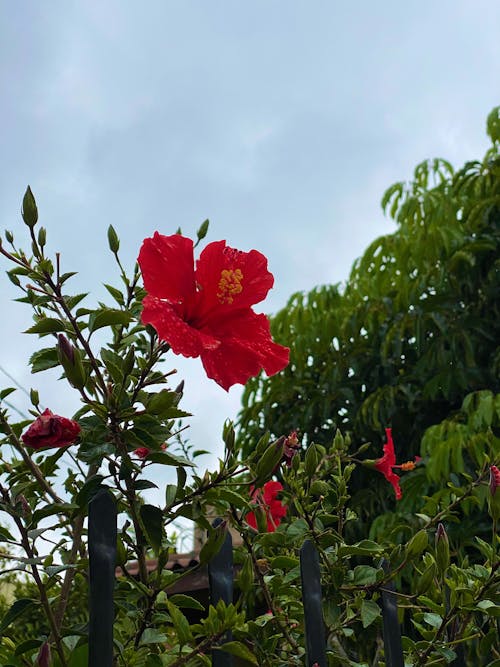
(266, 498)
(206, 311)
(387, 463)
(50, 430)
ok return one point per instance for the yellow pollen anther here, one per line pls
(229, 285)
(409, 465)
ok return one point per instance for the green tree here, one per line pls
(414, 331)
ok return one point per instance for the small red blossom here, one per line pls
(387, 463)
(142, 452)
(205, 311)
(267, 499)
(50, 430)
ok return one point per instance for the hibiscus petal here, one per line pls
(230, 278)
(167, 267)
(173, 329)
(245, 348)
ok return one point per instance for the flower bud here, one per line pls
(43, 658)
(494, 495)
(113, 240)
(70, 360)
(42, 237)
(29, 210)
(442, 549)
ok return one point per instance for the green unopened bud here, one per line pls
(338, 441)
(246, 576)
(42, 237)
(29, 210)
(34, 397)
(202, 231)
(228, 435)
(113, 240)
(311, 460)
(70, 359)
(9, 236)
(442, 549)
(269, 461)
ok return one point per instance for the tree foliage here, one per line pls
(413, 332)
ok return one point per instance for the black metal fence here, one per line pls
(102, 557)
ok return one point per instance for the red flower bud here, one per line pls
(50, 430)
(494, 479)
(44, 659)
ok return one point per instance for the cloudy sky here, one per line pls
(282, 122)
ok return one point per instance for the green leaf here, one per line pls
(28, 645)
(5, 536)
(363, 548)
(160, 403)
(165, 458)
(46, 325)
(107, 318)
(370, 611)
(88, 490)
(53, 508)
(186, 601)
(116, 294)
(365, 575)
(153, 636)
(152, 520)
(44, 359)
(239, 650)
(181, 624)
(284, 562)
(16, 610)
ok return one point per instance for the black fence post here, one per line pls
(102, 559)
(220, 581)
(313, 612)
(393, 647)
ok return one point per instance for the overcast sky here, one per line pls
(283, 122)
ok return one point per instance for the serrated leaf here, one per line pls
(46, 326)
(186, 602)
(181, 624)
(370, 611)
(153, 636)
(239, 650)
(44, 359)
(108, 317)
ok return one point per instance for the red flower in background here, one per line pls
(50, 430)
(206, 312)
(387, 462)
(267, 498)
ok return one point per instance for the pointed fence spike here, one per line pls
(102, 559)
(313, 612)
(220, 581)
(393, 647)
